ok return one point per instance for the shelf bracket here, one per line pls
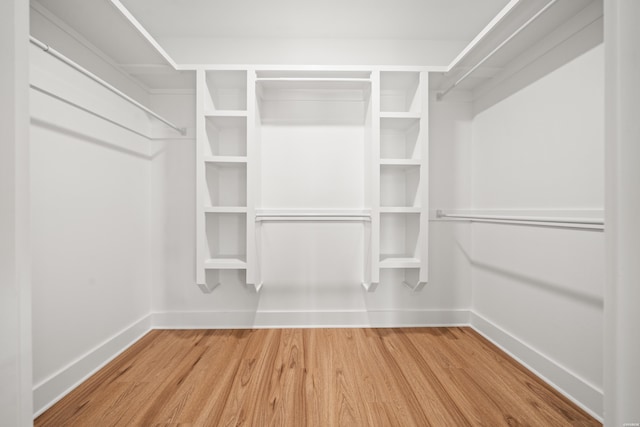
(207, 289)
(369, 287)
(417, 288)
(256, 286)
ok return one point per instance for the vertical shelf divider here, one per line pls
(201, 87)
(424, 182)
(253, 276)
(372, 236)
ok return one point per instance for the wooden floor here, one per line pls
(315, 377)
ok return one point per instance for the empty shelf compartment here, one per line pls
(399, 240)
(226, 184)
(399, 138)
(226, 243)
(226, 91)
(399, 91)
(399, 185)
(226, 136)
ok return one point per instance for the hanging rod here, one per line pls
(560, 222)
(51, 51)
(295, 215)
(87, 110)
(441, 95)
(313, 218)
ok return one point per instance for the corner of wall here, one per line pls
(52, 389)
(579, 391)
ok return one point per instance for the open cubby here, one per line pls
(399, 185)
(226, 136)
(399, 138)
(226, 184)
(399, 92)
(226, 90)
(309, 101)
(226, 242)
(399, 238)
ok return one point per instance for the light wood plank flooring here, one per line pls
(314, 377)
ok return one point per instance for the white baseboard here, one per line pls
(309, 319)
(569, 384)
(49, 391)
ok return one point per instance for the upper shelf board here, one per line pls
(313, 89)
(518, 30)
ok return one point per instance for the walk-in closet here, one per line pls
(320, 213)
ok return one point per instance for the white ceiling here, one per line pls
(101, 24)
(443, 20)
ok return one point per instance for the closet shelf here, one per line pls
(225, 263)
(400, 209)
(316, 74)
(317, 218)
(51, 51)
(400, 115)
(394, 261)
(225, 113)
(313, 89)
(225, 159)
(400, 162)
(398, 124)
(225, 209)
(320, 81)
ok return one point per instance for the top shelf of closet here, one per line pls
(313, 89)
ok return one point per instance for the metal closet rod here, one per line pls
(562, 222)
(442, 94)
(51, 51)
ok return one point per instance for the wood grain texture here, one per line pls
(314, 377)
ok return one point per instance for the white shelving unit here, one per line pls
(312, 145)
(222, 166)
(402, 168)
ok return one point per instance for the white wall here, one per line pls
(450, 188)
(90, 199)
(310, 51)
(15, 287)
(539, 291)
